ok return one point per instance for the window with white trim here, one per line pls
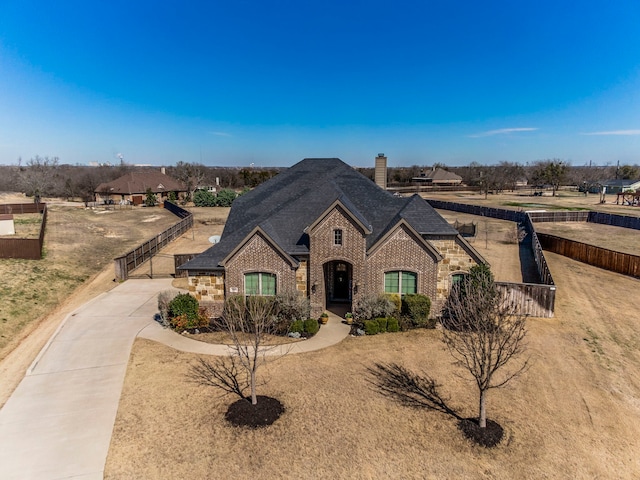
(401, 282)
(259, 283)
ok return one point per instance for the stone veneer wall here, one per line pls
(302, 277)
(257, 255)
(208, 288)
(456, 259)
(323, 250)
(402, 251)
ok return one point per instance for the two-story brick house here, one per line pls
(324, 230)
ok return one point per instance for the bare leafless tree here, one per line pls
(484, 334)
(248, 321)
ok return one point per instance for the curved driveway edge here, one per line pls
(58, 422)
(330, 334)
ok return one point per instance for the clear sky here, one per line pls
(273, 81)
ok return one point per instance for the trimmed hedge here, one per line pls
(392, 325)
(311, 326)
(371, 327)
(417, 308)
(382, 324)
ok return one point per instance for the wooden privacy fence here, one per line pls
(536, 300)
(530, 299)
(180, 259)
(22, 208)
(614, 220)
(499, 213)
(136, 257)
(537, 217)
(606, 259)
(538, 254)
(24, 248)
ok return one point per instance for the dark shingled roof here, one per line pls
(138, 182)
(284, 206)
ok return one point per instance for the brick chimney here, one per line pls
(381, 171)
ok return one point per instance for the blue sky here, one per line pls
(272, 82)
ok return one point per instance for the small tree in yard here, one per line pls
(150, 200)
(484, 334)
(248, 322)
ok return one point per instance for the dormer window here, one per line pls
(337, 237)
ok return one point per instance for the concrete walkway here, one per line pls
(58, 422)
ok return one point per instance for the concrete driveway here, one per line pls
(58, 422)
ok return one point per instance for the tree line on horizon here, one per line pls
(47, 177)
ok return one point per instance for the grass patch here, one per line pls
(544, 206)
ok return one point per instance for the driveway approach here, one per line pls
(58, 422)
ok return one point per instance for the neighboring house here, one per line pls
(324, 230)
(618, 185)
(438, 176)
(132, 187)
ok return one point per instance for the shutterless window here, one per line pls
(259, 283)
(337, 237)
(401, 282)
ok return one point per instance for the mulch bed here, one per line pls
(243, 414)
(487, 437)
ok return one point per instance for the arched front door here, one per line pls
(338, 275)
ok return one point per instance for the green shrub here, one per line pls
(225, 197)
(311, 326)
(392, 325)
(382, 324)
(183, 304)
(417, 308)
(184, 313)
(371, 327)
(203, 198)
(297, 326)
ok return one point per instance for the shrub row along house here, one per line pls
(324, 230)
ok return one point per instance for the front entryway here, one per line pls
(338, 282)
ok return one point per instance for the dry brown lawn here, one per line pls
(566, 199)
(36, 295)
(575, 414)
(615, 238)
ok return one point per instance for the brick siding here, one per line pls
(258, 255)
(323, 250)
(402, 251)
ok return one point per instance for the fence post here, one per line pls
(120, 265)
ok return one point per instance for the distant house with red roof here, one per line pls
(133, 187)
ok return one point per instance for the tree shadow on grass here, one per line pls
(421, 391)
(409, 389)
